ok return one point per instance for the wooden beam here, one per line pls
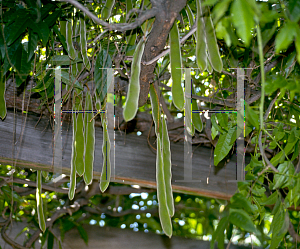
(113, 237)
(134, 160)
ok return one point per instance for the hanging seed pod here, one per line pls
(89, 140)
(69, 32)
(201, 56)
(131, 104)
(83, 44)
(39, 201)
(175, 60)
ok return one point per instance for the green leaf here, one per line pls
(16, 29)
(285, 36)
(9, 195)
(50, 241)
(103, 60)
(222, 119)
(251, 116)
(294, 10)
(214, 132)
(63, 60)
(83, 234)
(272, 199)
(42, 81)
(280, 179)
(279, 227)
(22, 65)
(240, 201)
(65, 78)
(243, 19)
(42, 87)
(241, 219)
(60, 37)
(43, 32)
(224, 145)
(218, 234)
(221, 31)
(220, 9)
(32, 43)
(214, 123)
(229, 231)
(273, 85)
(296, 151)
(51, 18)
(12, 54)
(258, 191)
(276, 159)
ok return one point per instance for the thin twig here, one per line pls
(116, 26)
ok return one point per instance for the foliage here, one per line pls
(261, 35)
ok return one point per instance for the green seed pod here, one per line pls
(89, 140)
(190, 15)
(201, 56)
(155, 108)
(71, 49)
(79, 65)
(191, 19)
(106, 10)
(83, 44)
(73, 155)
(63, 28)
(131, 104)
(74, 70)
(188, 103)
(209, 68)
(167, 167)
(2, 96)
(106, 168)
(196, 119)
(212, 46)
(175, 59)
(79, 143)
(163, 211)
(39, 201)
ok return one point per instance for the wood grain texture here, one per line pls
(134, 160)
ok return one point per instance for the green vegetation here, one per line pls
(213, 35)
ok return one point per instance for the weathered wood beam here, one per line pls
(134, 160)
